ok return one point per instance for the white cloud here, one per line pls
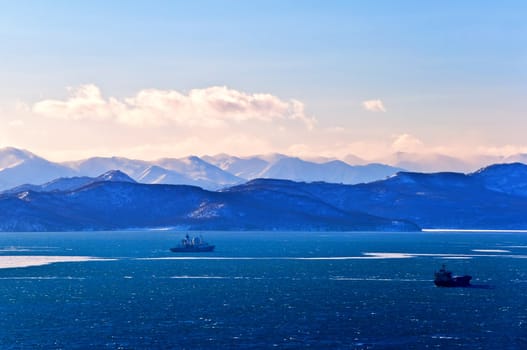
(85, 102)
(209, 107)
(407, 143)
(373, 106)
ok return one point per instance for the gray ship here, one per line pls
(192, 245)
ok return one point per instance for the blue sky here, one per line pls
(446, 77)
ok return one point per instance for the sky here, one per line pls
(151, 79)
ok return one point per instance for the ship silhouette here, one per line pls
(444, 278)
(192, 245)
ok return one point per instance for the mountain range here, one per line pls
(18, 167)
(494, 197)
(115, 201)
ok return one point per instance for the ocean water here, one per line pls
(125, 290)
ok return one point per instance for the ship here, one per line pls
(444, 278)
(192, 245)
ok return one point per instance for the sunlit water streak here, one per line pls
(18, 261)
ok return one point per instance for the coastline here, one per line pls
(471, 230)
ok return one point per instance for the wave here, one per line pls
(364, 256)
(209, 277)
(201, 277)
(11, 249)
(43, 278)
(206, 277)
(376, 279)
(336, 278)
(491, 250)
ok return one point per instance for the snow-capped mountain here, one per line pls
(202, 172)
(278, 166)
(11, 157)
(210, 172)
(157, 175)
(334, 171)
(97, 165)
(187, 171)
(352, 159)
(243, 167)
(114, 176)
(19, 166)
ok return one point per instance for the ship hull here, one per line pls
(459, 281)
(205, 249)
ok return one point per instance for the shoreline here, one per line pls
(470, 230)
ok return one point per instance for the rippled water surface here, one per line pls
(125, 290)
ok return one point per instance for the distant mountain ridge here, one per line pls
(20, 167)
(110, 205)
(491, 198)
(480, 200)
(73, 183)
(505, 178)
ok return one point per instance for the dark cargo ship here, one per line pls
(193, 245)
(444, 278)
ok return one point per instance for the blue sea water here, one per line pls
(262, 290)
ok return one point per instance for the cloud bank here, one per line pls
(209, 107)
(154, 123)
